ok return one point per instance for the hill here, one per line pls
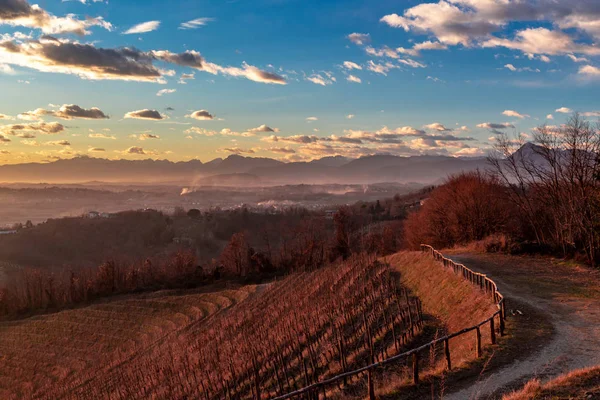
(368, 169)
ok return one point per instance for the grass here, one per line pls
(47, 350)
(580, 384)
(548, 277)
(454, 304)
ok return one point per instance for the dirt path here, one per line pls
(567, 295)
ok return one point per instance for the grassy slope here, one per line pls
(452, 304)
(580, 384)
(48, 349)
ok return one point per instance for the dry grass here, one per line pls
(194, 344)
(580, 384)
(48, 350)
(452, 304)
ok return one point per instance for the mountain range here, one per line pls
(237, 170)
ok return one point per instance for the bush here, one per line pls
(468, 207)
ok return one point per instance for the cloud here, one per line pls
(21, 13)
(564, 110)
(515, 69)
(195, 23)
(162, 92)
(472, 23)
(282, 150)
(436, 126)
(310, 119)
(84, 60)
(101, 136)
(145, 136)
(237, 150)
(350, 116)
(4, 139)
(135, 150)
(6, 69)
(144, 27)
(299, 139)
(247, 71)
(66, 111)
(591, 114)
(319, 80)
(184, 77)
(146, 114)
(589, 71)
(549, 116)
(433, 78)
(382, 69)
(29, 130)
(49, 54)
(349, 65)
(58, 143)
(4, 116)
(96, 150)
(359, 38)
(201, 115)
(577, 59)
(262, 129)
(542, 41)
(412, 63)
(512, 113)
(352, 78)
(495, 127)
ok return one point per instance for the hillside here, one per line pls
(230, 340)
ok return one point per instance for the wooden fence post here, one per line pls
(447, 352)
(371, 384)
(415, 362)
(478, 342)
(492, 330)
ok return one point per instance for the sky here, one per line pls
(293, 80)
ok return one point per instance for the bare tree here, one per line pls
(554, 182)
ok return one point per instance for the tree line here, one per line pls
(540, 196)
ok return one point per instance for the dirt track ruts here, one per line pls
(558, 292)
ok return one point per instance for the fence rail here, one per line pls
(477, 279)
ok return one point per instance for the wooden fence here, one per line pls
(481, 280)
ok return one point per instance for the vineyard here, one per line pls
(279, 337)
(47, 352)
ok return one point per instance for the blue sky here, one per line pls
(288, 79)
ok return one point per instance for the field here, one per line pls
(49, 351)
(236, 342)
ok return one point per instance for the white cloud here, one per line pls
(162, 92)
(473, 23)
(310, 119)
(195, 23)
(513, 113)
(577, 59)
(201, 115)
(319, 79)
(144, 27)
(350, 116)
(382, 69)
(352, 78)
(590, 71)
(21, 13)
(436, 126)
(564, 110)
(549, 116)
(349, 65)
(515, 69)
(359, 38)
(433, 78)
